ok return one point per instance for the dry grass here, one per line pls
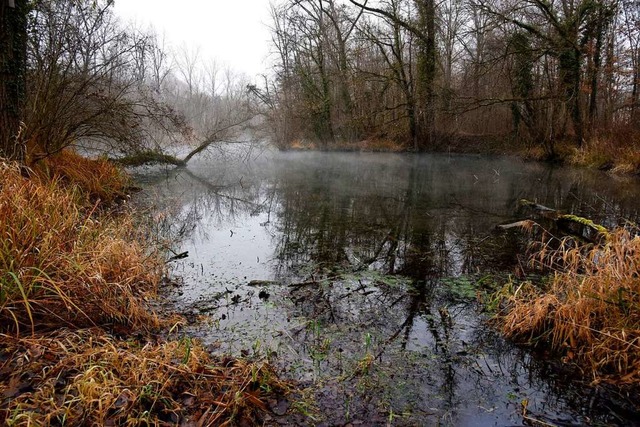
(87, 378)
(70, 265)
(590, 312)
(301, 145)
(62, 264)
(619, 153)
(99, 179)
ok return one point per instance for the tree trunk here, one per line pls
(426, 72)
(398, 67)
(570, 69)
(13, 42)
(595, 72)
(609, 81)
(345, 91)
(635, 98)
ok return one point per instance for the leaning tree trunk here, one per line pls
(13, 42)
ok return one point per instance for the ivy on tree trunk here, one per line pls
(13, 42)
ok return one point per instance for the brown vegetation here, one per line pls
(89, 378)
(62, 264)
(97, 178)
(590, 311)
(70, 264)
(618, 153)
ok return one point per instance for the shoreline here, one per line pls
(622, 163)
(80, 342)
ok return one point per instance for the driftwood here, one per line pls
(571, 224)
(536, 206)
(182, 255)
(255, 283)
(525, 224)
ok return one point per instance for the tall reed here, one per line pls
(98, 179)
(590, 311)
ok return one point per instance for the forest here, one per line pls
(552, 80)
(427, 75)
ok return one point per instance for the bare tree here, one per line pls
(534, 71)
(424, 28)
(87, 81)
(393, 44)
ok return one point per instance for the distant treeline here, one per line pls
(420, 72)
(72, 74)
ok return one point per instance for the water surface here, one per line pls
(358, 276)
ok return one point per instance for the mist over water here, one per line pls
(359, 272)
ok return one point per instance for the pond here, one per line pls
(358, 276)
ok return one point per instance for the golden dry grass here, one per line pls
(618, 153)
(88, 378)
(590, 312)
(301, 145)
(99, 179)
(73, 276)
(62, 264)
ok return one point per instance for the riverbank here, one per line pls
(80, 343)
(576, 299)
(588, 311)
(619, 155)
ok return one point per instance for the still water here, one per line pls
(358, 276)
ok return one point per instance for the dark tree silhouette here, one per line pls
(13, 48)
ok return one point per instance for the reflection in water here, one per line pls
(366, 268)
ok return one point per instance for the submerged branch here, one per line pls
(574, 225)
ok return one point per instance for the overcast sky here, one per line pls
(234, 32)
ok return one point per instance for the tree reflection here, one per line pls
(373, 245)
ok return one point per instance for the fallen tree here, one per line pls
(574, 225)
(156, 155)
